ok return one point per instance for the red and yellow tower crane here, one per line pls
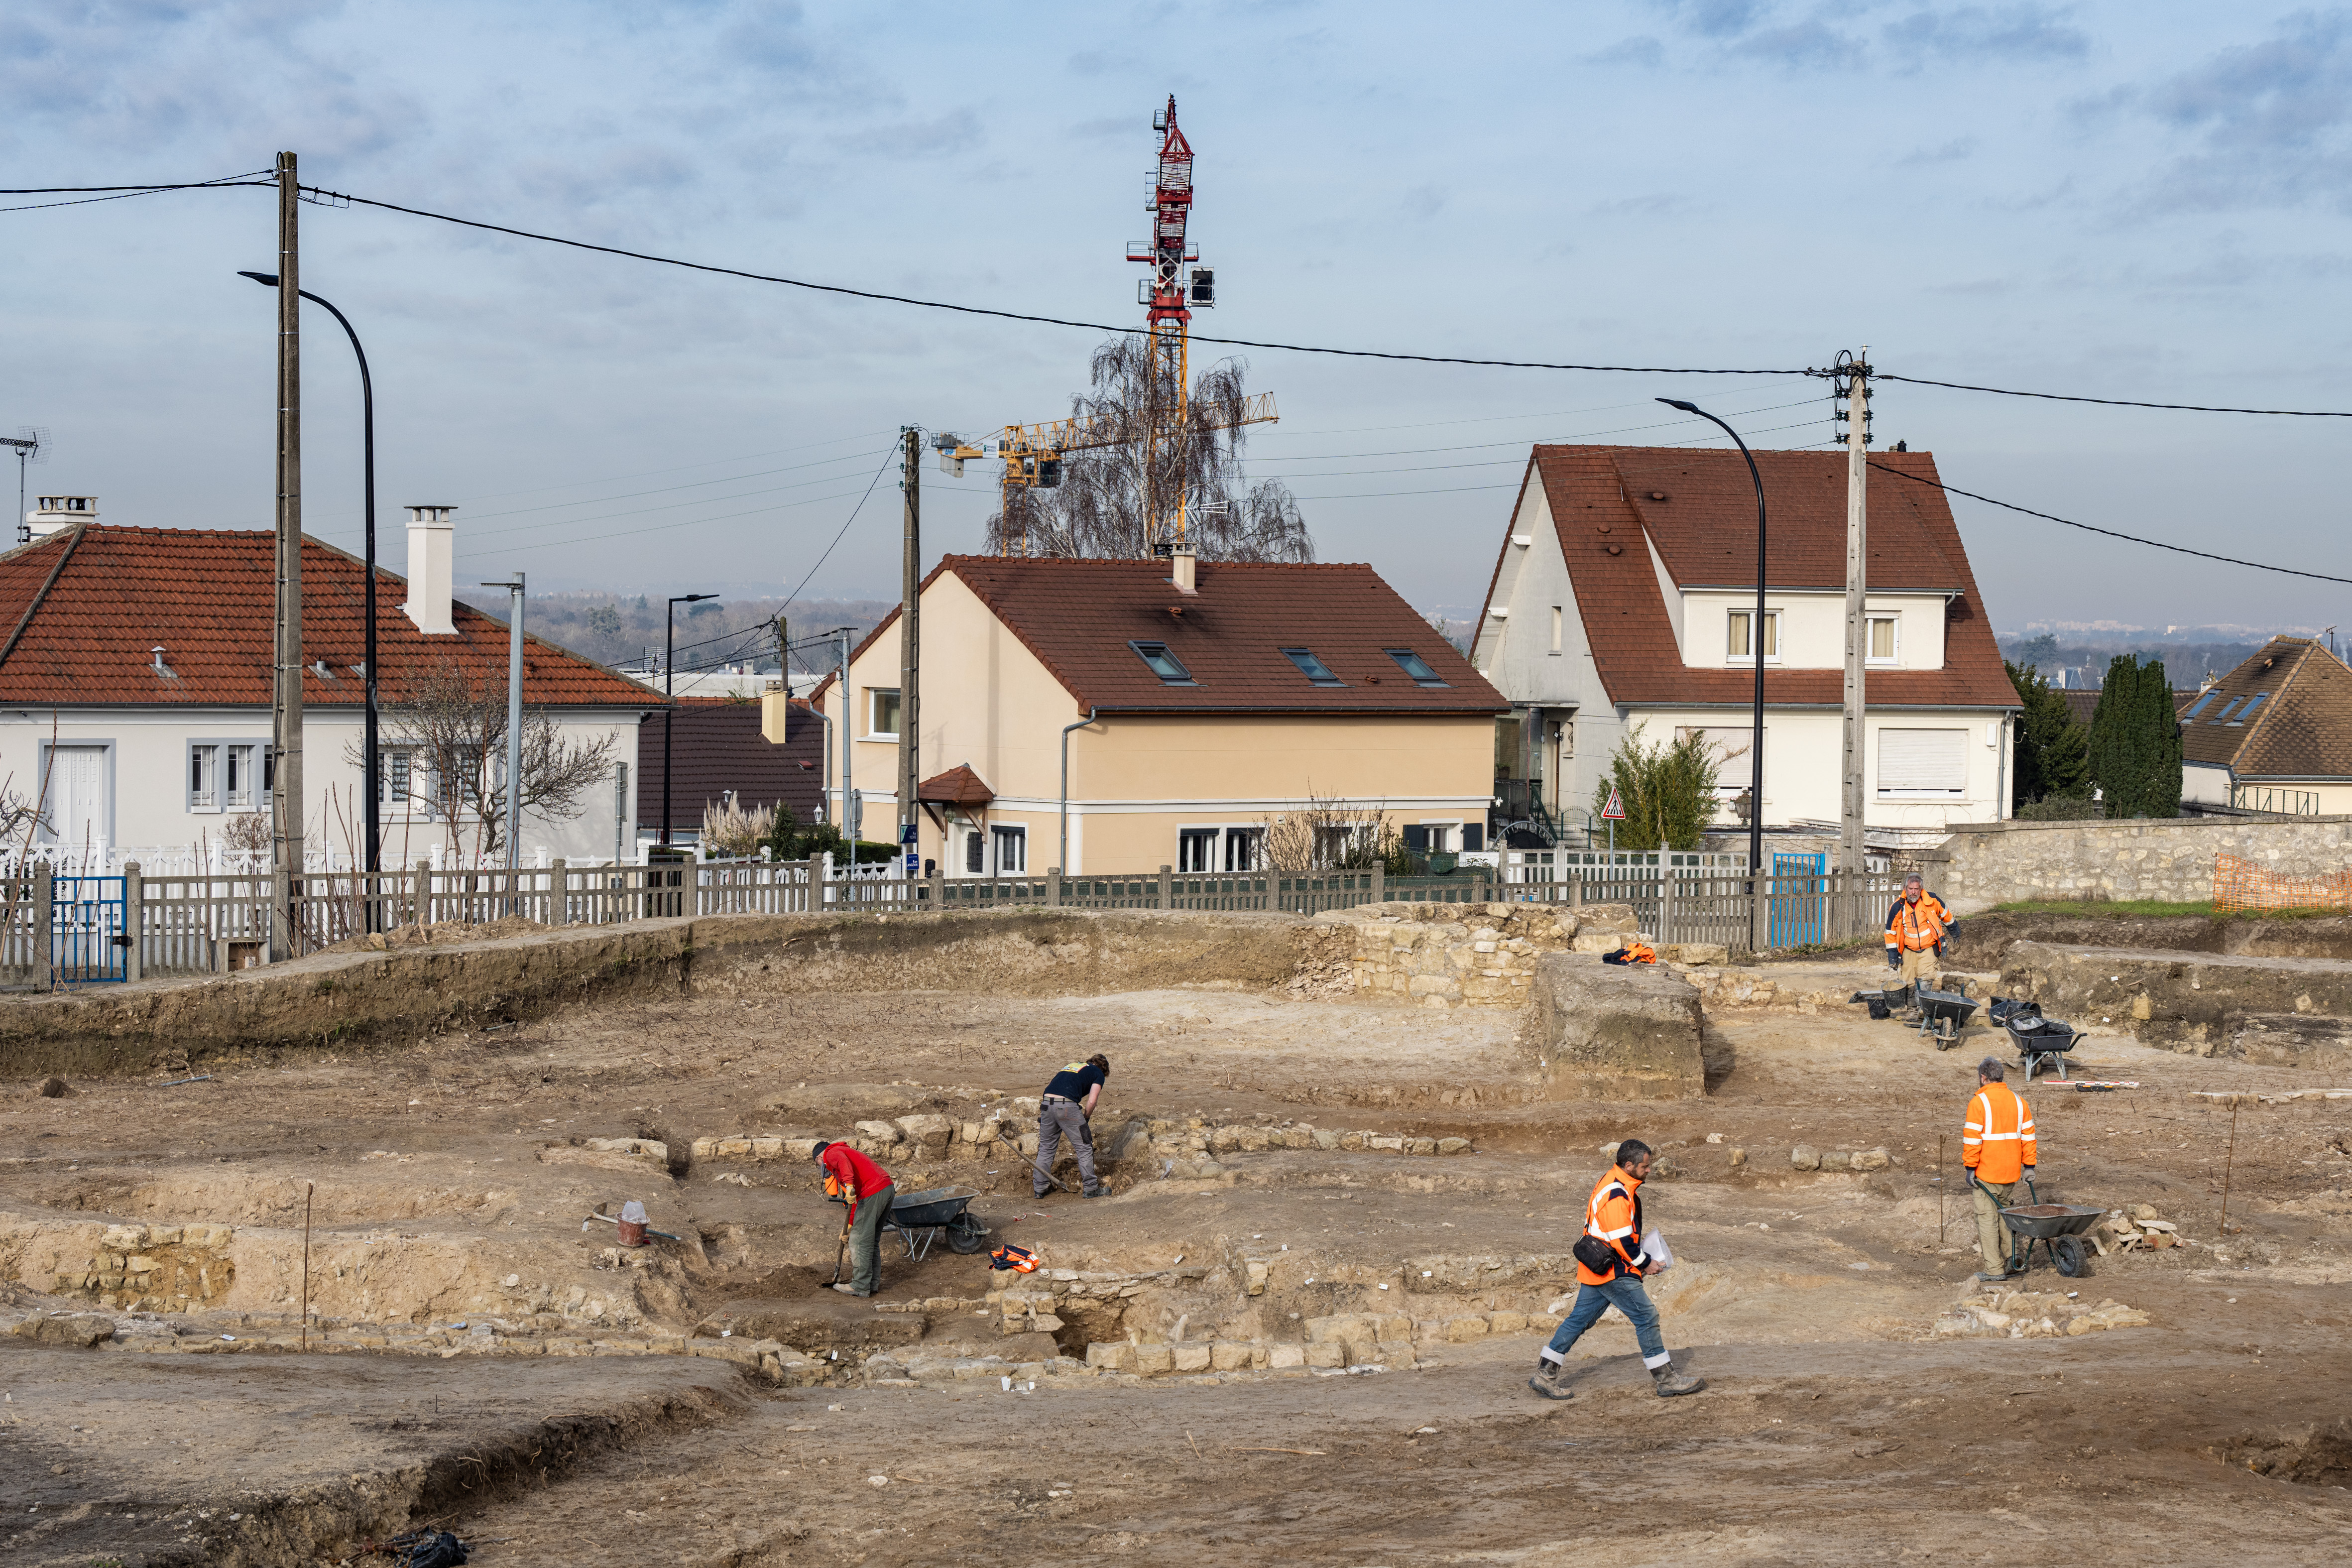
(1032, 453)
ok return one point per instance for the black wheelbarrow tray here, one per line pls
(923, 1218)
(1943, 1014)
(2041, 1043)
(2059, 1228)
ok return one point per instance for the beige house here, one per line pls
(1199, 706)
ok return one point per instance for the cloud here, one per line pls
(1659, 205)
(1714, 18)
(954, 132)
(2270, 123)
(2009, 34)
(1808, 45)
(1639, 50)
(1953, 152)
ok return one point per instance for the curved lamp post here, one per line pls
(371, 786)
(1756, 647)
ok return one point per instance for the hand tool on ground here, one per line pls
(615, 1219)
(839, 1247)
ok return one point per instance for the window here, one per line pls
(1196, 849)
(1245, 848)
(1557, 622)
(1165, 665)
(2227, 709)
(239, 778)
(398, 767)
(1413, 664)
(2201, 703)
(2253, 703)
(881, 713)
(1429, 838)
(1881, 644)
(1313, 669)
(975, 853)
(1012, 845)
(1734, 754)
(1923, 764)
(204, 776)
(1736, 643)
(1473, 838)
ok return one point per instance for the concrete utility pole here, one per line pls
(514, 725)
(850, 815)
(286, 696)
(910, 648)
(1853, 799)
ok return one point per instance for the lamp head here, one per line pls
(1678, 403)
(267, 279)
(695, 598)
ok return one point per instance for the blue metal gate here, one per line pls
(1799, 888)
(87, 943)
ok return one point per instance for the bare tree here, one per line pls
(455, 723)
(19, 818)
(1327, 834)
(1099, 510)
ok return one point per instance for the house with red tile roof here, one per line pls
(135, 693)
(2273, 735)
(1623, 602)
(1199, 703)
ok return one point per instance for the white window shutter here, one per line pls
(1915, 762)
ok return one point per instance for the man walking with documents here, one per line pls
(1610, 1257)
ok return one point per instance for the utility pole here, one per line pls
(285, 697)
(850, 814)
(514, 729)
(910, 648)
(1853, 798)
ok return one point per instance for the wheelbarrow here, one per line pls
(922, 1219)
(2041, 1043)
(2059, 1228)
(1942, 1015)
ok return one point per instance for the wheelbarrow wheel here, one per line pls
(2066, 1252)
(966, 1235)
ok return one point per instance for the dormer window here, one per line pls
(1742, 624)
(1313, 669)
(1165, 665)
(1413, 664)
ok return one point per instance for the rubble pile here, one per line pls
(2033, 1315)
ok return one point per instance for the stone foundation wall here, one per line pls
(1471, 955)
(2165, 859)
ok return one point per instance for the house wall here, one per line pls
(1812, 628)
(1513, 652)
(145, 796)
(1136, 781)
(1804, 760)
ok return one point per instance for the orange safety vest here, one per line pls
(1997, 1140)
(1915, 928)
(1613, 1214)
(1639, 952)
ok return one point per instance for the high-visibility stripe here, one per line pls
(1655, 1361)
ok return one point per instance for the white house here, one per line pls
(135, 689)
(1624, 600)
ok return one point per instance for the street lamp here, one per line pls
(1756, 647)
(372, 787)
(669, 689)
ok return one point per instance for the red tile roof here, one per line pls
(957, 786)
(2302, 731)
(720, 749)
(1078, 617)
(1699, 508)
(81, 610)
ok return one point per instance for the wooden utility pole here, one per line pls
(910, 649)
(286, 696)
(1853, 798)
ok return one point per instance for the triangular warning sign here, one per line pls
(1615, 810)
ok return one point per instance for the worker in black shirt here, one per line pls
(1069, 1102)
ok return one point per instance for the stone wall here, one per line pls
(1606, 1032)
(2166, 859)
(1470, 955)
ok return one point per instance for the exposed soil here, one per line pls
(447, 1186)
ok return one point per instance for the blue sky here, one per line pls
(2136, 201)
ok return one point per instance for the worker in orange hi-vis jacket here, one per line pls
(1611, 1256)
(1916, 929)
(1998, 1148)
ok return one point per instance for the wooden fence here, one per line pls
(188, 923)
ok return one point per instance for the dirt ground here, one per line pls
(1838, 1425)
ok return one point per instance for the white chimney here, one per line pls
(1181, 564)
(431, 546)
(54, 512)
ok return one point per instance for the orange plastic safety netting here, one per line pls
(2242, 885)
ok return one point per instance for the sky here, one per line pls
(2142, 201)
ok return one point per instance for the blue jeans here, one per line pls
(1628, 1297)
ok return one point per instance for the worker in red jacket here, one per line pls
(1610, 1260)
(867, 1189)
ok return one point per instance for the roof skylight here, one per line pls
(1313, 669)
(1165, 665)
(2247, 712)
(1413, 664)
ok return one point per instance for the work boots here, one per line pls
(1546, 1381)
(1671, 1383)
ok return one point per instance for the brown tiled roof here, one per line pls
(957, 786)
(1078, 617)
(2303, 730)
(719, 748)
(1705, 531)
(81, 610)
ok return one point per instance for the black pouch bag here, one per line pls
(1596, 1255)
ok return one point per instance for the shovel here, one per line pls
(840, 1249)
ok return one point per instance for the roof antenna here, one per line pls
(32, 445)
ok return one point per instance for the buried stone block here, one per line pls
(1192, 1356)
(1154, 1360)
(1117, 1356)
(1326, 1354)
(1611, 1032)
(1286, 1357)
(1229, 1355)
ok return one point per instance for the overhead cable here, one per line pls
(2109, 533)
(121, 191)
(2117, 402)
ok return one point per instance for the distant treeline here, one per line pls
(2186, 663)
(618, 629)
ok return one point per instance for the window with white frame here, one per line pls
(1740, 629)
(241, 775)
(1923, 764)
(407, 788)
(228, 774)
(203, 775)
(1884, 646)
(1196, 849)
(881, 712)
(1245, 848)
(1011, 847)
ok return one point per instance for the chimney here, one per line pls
(431, 545)
(1180, 561)
(54, 512)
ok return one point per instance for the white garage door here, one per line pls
(1923, 762)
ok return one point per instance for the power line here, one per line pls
(794, 596)
(2117, 402)
(122, 193)
(2109, 533)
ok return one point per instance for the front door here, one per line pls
(79, 818)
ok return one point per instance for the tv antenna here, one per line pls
(31, 443)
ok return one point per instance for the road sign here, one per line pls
(914, 865)
(906, 831)
(1615, 810)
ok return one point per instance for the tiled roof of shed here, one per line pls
(81, 610)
